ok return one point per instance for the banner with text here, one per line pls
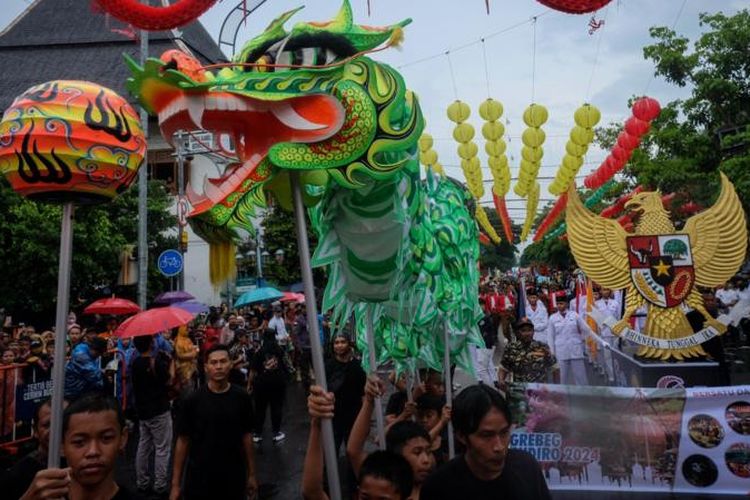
(636, 439)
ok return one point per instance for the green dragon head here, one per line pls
(306, 99)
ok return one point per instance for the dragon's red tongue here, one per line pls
(216, 190)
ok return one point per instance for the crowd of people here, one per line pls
(199, 396)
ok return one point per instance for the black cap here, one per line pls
(524, 322)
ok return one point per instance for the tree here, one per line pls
(503, 255)
(695, 137)
(280, 233)
(30, 243)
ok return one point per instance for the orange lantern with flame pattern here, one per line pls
(70, 141)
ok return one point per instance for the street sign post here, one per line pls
(170, 263)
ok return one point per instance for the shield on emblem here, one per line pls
(661, 267)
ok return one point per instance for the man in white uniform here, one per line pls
(609, 306)
(278, 325)
(566, 334)
(537, 314)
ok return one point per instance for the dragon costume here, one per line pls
(398, 248)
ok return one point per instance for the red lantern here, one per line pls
(621, 153)
(636, 127)
(627, 142)
(575, 6)
(69, 141)
(151, 18)
(646, 109)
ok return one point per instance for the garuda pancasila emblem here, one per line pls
(658, 266)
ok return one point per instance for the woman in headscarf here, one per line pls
(186, 354)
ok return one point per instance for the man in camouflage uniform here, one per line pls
(528, 360)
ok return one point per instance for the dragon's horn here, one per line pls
(276, 28)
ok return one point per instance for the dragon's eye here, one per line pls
(306, 56)
(289, 54)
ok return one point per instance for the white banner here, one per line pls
(644, 339)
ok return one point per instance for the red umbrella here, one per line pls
(292, 297)
(112, 305)
(153, 321)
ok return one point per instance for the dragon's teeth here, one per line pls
(195, 109)
(289, 117)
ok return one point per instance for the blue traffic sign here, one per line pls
(170, 263)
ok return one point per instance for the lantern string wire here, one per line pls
(533, 59)
(596, 54)
(474, 42)
(453, 75)
(486, 67)
(674, 25)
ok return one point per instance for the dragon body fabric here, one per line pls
(398, 248)
(657, 265)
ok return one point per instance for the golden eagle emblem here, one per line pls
(659, 266)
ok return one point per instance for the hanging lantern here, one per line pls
(502, 212)
(575, 6)
(152, 18)
(627, 141)
(484, 223)
(581, 135)
(70, 141)
(458, 112)
(532, 202)
(646, 109)
(636, 127)
(533, 137)
(428, 156)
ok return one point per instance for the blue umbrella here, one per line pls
(263, 294)
(192, 306)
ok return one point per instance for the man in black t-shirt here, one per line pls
(214, 436)
(150, 376)
(488, 470)
(346, 380)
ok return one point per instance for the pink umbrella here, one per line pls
(153, 321)
(112, 305)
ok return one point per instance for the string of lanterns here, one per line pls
(428, 156)
(645, 110)
(532, 152)
(581, 135)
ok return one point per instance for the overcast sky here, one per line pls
(571, 67)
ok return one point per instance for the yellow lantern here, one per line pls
(484, 222)
(533, 137)
(572, 163)
(574, 149)
(533, 155)
(535, 116)
(587, 116)
(495, 149)
(491, 110)
(581, 136)
(463, 132)
(428, 158)
(459, 112)
(493, 131)
(467, 150)
(425, 142)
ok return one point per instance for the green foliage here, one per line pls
(708, 131)
(502, 256)
(30, 246)
(552, 252)
(280, 233)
